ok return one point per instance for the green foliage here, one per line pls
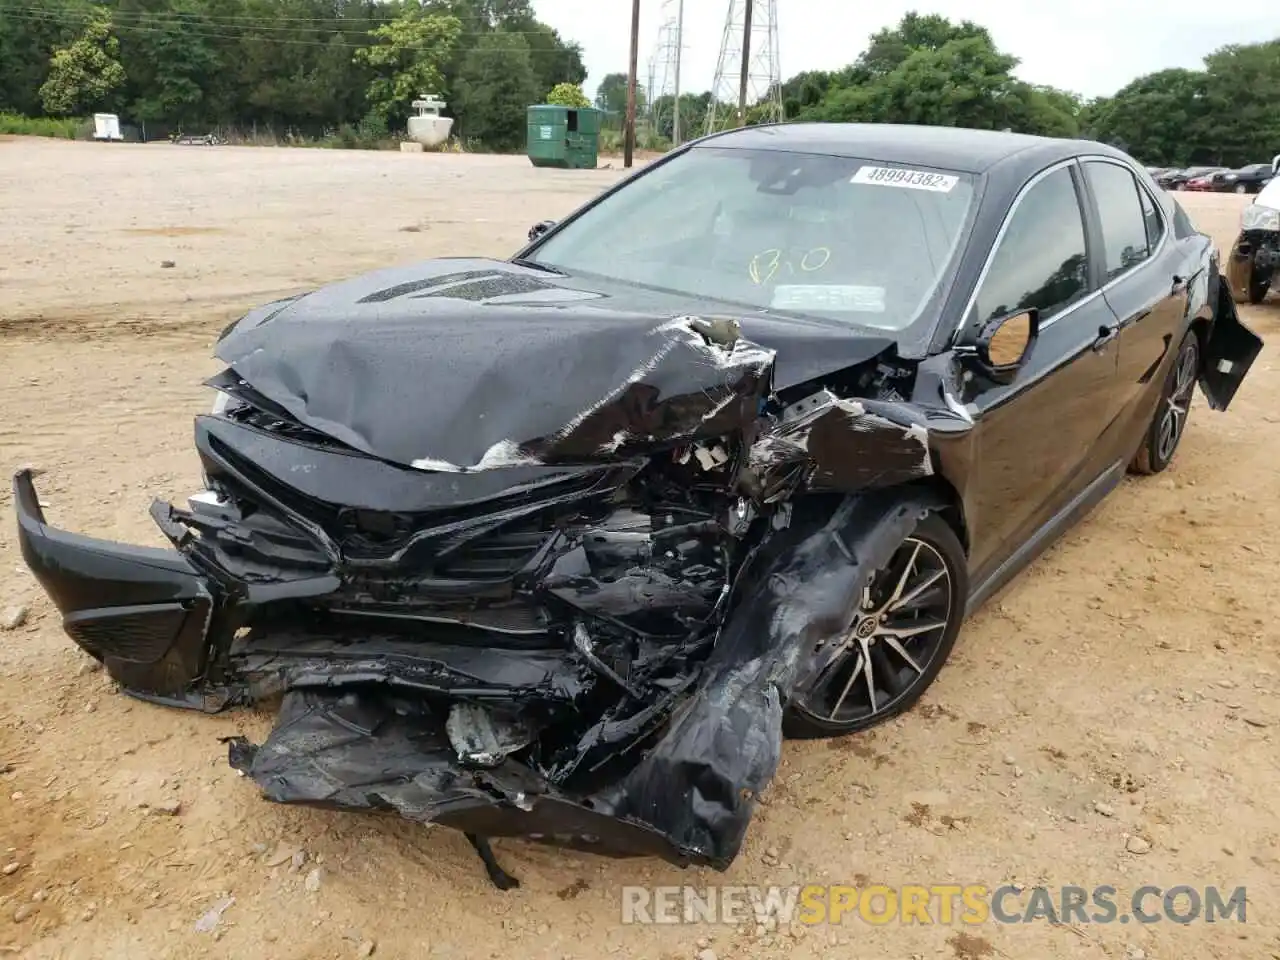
(293, 71)
(693, 115)
(495, 87)
(408, 59)
(891, 47)
(1224, 114)
(930, 71)
(85, 75)
(369, 134)
(568, 95)
(63, 128)
(611, 95)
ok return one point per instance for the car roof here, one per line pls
(954, 148)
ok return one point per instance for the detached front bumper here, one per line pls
(143, 612)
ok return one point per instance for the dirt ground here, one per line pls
(1119, 697)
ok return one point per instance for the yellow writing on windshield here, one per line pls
(765, 265)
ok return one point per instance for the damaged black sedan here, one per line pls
(560, 546)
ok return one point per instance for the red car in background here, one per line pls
(1205, 182)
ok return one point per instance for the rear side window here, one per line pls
(1125, 227)
(1154, 220)
(1042, 260)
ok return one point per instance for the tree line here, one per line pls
(310, 67)
(928, 69)
(295, 67)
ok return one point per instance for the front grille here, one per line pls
(496, 557)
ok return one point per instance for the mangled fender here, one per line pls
(700, 784)
(849, 445)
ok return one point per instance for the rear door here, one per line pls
(1039, 438)
(1145, 282)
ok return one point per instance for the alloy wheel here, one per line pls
(1177, 404)
(896, 635)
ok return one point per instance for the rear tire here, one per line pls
(901, 637)
(1169, 423)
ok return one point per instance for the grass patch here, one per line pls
(64, 128)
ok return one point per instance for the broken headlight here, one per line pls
(1257, 217)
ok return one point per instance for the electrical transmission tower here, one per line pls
(747, 72)
(665, 95)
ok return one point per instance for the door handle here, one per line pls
(1105, 336)
(1179, 284)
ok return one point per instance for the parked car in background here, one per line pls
(1177, 178)
(1205, 183)
(1250, 179)
(1255, 256)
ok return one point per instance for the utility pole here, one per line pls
(746, 64)
(675, 119)
(629, 133)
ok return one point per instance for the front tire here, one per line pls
(1163, 436)
(1241, 188)
(900, 639)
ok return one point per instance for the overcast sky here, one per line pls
(1093, 47)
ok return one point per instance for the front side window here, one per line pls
(853, 240)
(1042, 261)
(1125, 229)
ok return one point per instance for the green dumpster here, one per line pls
(566, 137)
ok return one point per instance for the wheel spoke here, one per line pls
(853, 675)
(930, 599)
(918, 589)
(1186, 374)
(906, 576)
(867, 672)
(910, 630)
(893, 643)
(889, 676)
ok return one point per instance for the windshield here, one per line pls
(797, 233)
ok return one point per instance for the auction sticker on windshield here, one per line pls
(842, 298)
(911, 179)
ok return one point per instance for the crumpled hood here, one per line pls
(460, 365)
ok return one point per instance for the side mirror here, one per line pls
(538, 229)
(1003, 344)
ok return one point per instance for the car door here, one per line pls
(1037, 439)
(1145, 282)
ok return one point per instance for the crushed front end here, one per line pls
(594, 651)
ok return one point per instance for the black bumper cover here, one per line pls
(144, 612)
